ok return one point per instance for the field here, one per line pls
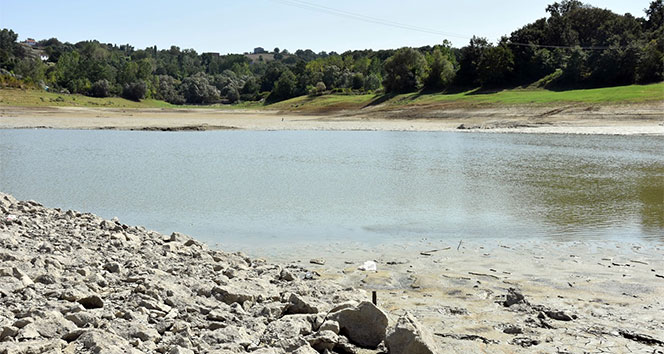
(338, 102)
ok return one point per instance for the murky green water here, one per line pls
(244, 189)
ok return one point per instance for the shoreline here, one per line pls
(630, 119)
(475, 296)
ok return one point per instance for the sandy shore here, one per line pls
(639, 119)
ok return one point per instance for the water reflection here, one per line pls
(244, 188)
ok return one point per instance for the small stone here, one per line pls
(46, 279)
(319, 261)
(113, 267)
(92, 302)
(513, 297)
(286, 275)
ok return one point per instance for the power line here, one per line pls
(342, 13)
(359, 17)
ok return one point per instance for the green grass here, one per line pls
(337, 102)
(614, 95)
(38, 98)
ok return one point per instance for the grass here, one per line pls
(336, 102)
(609, 95)
(38, 98)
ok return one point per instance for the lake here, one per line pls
(245, 190)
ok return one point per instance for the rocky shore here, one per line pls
(73, 282)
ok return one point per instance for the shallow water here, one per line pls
(251, 189)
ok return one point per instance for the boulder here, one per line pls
(297, 305)
(364, 324)
(409, 337)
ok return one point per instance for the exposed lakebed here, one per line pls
(256, 191)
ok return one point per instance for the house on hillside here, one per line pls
(30, 41)
(259, 50)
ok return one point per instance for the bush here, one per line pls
(135, 91)
(197, 89)
(101, 88)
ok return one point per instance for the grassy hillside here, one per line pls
(336, 102)
(610, 95)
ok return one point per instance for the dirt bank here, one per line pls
(644, 118)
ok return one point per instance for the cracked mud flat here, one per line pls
(73, 282)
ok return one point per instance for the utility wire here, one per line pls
(359, 17)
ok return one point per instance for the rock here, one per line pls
(31, 347)
(54, 325)
(409, 337)
(8, 331)
(330, 325)
(18, 274)
(305, 349)
(154, 305)
(364, 324)
(178, 237)
(230, 295)
(287, 332)
(558, 315)
(92, 302)
(297, 305)
(145, 333)
(109, 225)
(100, 342)
(318, 261)
(323, 340)
(83, 319)
(286, 275)
(46, 279)
(7, 200)
(180, 350)
(513, 297)
(113, 267)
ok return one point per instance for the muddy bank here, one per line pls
(74, 282)
(640, 119)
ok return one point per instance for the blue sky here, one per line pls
(238, 26)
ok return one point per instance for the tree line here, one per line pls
(576, 45)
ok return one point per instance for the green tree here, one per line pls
(441, 70)
(495, 65)
(404, 71)
(284, 87)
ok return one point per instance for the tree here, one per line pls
(495, 65)
(650, 67)
(284, 87)
(469, 61)
(404, 71)
(441, 70)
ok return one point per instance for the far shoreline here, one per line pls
(625, 119)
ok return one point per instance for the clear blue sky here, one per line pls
(238, 26)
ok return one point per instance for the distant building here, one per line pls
(30, 41)
(259, 50)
